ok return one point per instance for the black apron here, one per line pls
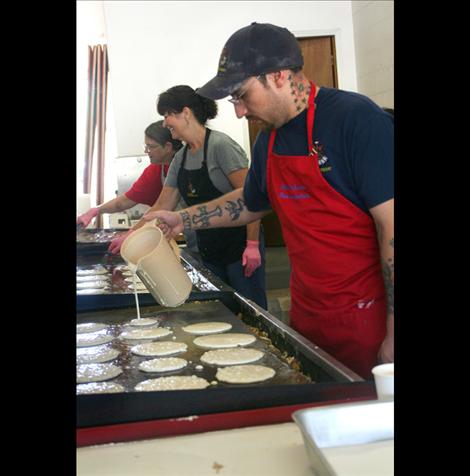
(217, 245)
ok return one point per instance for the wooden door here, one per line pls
(319, 66)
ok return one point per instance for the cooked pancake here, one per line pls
(245, 374)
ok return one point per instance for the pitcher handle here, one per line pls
(151, 223)
(172, 242)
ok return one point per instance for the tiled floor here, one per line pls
(277, 267)
(279, 303)
(277, 282)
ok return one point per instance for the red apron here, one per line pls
(337, 289)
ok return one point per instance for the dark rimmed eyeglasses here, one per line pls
(149, 147)
(237, 96)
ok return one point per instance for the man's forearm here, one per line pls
(383, 218)
(388, 270)
(226, 211)
(386, 352)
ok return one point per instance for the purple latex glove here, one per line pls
(251, 258)
(115, 245)
(85, 218)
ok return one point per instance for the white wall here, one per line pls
(373, 34)
(154, 45)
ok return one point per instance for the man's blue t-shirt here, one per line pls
(355, 139)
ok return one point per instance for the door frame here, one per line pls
(336, 34)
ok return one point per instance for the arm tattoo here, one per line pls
(388, 270)
(235, 208)
(186, 221)
(203, 219)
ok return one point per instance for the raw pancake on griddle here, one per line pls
(224, 341)
(244, 374)
(90, 327)
(97, 372)
(99, 387)
(96, 270)
(154, 333)
(163, 364)
(92, 284)
(96, 355)
(143, 321)
(91, 291)
(234, 356)
(172, 383)
(202, 328)
(85, 340)
(153, 349)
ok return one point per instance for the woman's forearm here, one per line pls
(118, 204)
(167, 200)
(252, 230)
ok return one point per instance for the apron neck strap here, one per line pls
(206, 142)
(311, 115)
(310, 119)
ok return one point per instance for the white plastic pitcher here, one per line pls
(148, 253)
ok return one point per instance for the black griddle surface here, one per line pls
(134, 406)
(117, 321)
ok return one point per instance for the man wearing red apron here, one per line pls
(324, 163)
(337, 287)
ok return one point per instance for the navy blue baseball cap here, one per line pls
(256, 49)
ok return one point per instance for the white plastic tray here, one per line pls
(352, 439)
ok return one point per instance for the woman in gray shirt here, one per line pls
(208, 166)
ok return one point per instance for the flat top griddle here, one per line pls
(116, 280)
(97, 235)
(288, 353)
(117, 321)
(329, 381)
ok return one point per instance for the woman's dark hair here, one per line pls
(162, 135)
(176, 98)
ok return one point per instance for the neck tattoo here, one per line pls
(300, 92)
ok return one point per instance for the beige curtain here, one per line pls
(96, 122)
